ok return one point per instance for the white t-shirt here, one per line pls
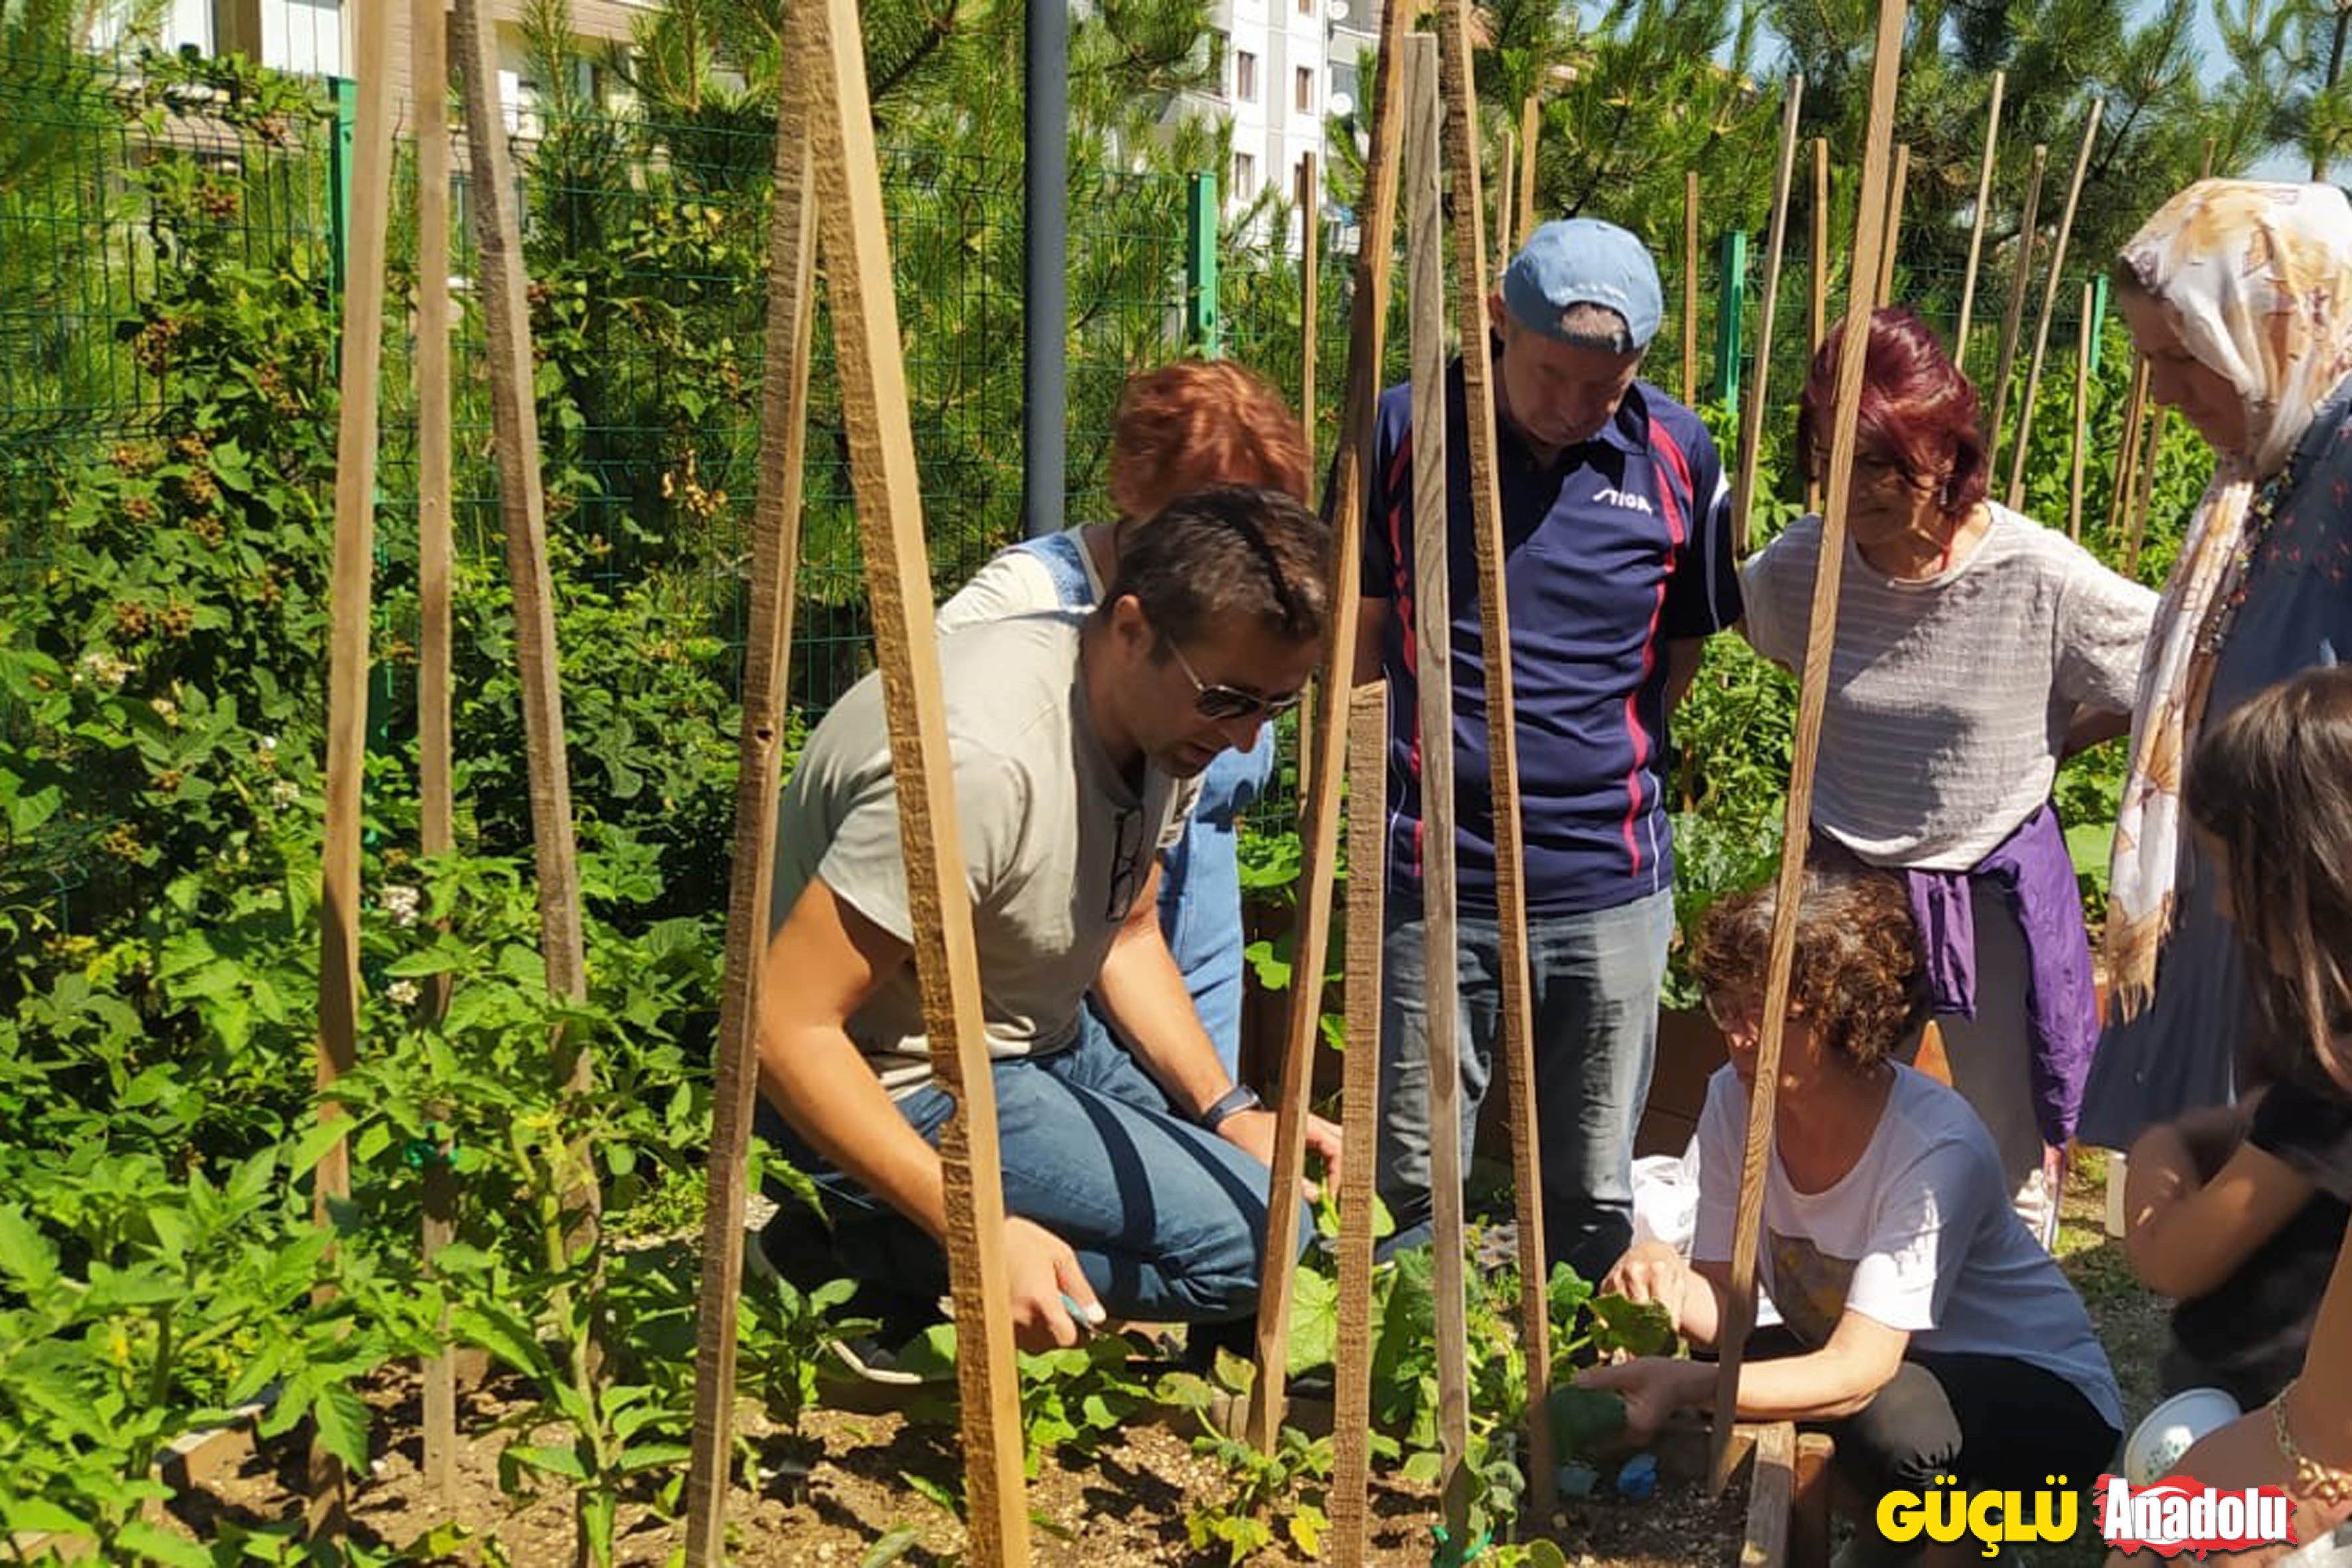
(1950, 696)
(1057, 843)
(1919, 1236)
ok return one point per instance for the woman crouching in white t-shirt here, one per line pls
(1920, 1324)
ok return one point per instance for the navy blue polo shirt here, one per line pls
(1620, 546)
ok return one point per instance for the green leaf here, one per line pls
(1584, 1419)
(26, 1254)
(1314, 1323)
(564, 1462)
(151, 1544)
(891, 1547)
(342, 1418)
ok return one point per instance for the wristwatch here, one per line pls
(1231, 1103)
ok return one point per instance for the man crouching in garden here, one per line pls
(1135, 1171)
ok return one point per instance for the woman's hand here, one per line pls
(1653, 1388)
(1652, 1271)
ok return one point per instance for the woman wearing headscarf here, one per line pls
(1975, 649)
(2239, 294)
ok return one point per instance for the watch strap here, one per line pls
(1231, 1103)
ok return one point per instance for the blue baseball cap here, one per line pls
(1584, 261)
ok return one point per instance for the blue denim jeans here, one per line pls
(1168, 1221)
(1596, 979)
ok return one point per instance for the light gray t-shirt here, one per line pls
(1919, 1236)
(1950, 696)
(1057, 844)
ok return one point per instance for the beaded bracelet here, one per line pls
(2323, 1483)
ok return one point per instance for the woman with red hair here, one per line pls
(1975, 649)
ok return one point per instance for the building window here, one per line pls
(1245, 75)
(1244, 176)
(1306, 8)
(1302, 91)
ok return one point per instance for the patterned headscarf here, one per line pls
(2256, 281)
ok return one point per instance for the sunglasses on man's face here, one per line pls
(1218, 703)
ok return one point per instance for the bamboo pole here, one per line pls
(1530, 125)
(1977, 228)
(429, 72)
(1690, 287)
(1751, 413)
(2049, 307)
(2082, 418)
(1814, 694)
(1894, 189)
(326, 1517)
(1516, 1044)
(1820, 319)
(2014, 317)
(2120, 487)
(1318, 830)
(1359, 1110)
(767, 663)
(522, 509)
(1434, 634)
(898, 585)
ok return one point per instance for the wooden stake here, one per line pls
(522, 509)
(1977, 228)
(1690, 287)
(1814, 695)
(1772, 1497)
(2082, 418)
(898, 585)
(1894, 189)
(767, 663)
(2151, 452)
(2014, 317)
(1504, 166)
(326, 1519)
(1515, 1041)
(429, 74)
(1530, 125)
(2119, 488)
(1434, 638)
(1820, 267)
(2049, 307)
(2205, 165)
(1310, 320)
(1319, 827)
(1751, 413)
(1359, 1112)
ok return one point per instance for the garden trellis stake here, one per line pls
(1690, 287)
(888, 492)
(1318, 830)
(428, 45)
(326, 1518)
(2017, 455)
(1433, 631)
(2082, 418)
(1977, 228)
(1503, 165)
(1894, 187)
(2151, 449)
(2127, 462)
(1310, 261)
(1751, 411)
(1820, 319)
(1814, 694)
(767, 664)
(1516, 1037)
(1359, 1110)
(522, 510)
(2014, 317)
(1530, 125)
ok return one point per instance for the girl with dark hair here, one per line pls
(1920, 1323)
(2254, 1235)
(1975, 649)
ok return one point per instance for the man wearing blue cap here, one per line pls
(1618, 565)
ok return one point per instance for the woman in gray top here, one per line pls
(2240, 293)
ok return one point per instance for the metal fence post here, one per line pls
(1731, 290)
(2098, 316)
(338, 174)
(1203, 327)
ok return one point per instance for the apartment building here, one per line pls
(1288, 65)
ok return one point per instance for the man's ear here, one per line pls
(1497, 317)
(1130, 631)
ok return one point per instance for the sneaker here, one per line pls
(2036, 1204)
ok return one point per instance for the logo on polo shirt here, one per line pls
(1629, 499)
